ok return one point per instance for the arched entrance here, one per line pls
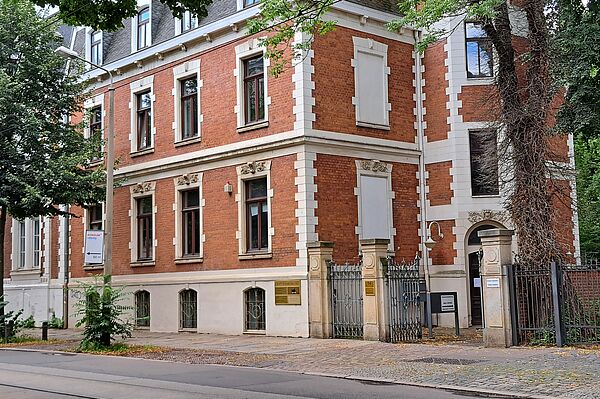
(472, 248)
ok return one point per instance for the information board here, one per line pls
(94, 247)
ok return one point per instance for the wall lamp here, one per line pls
(430, 243)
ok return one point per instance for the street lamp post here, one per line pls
(110, 155)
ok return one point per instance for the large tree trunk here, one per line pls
(523, 115)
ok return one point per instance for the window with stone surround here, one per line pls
(254, 197)
(27, 243)
(143, 28)
(186, 93)
(483, 145)
(143, 131)
(371, 84)
(253, 102)
(94, 217)
(188, 206)
(143, 224)
(375, 196)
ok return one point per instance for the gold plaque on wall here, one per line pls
(370, 287)
(287, 292)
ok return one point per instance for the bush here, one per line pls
(9, 319)
(55, 322)
(101, 315)
(27, 323)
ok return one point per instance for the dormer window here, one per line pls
(189, 21)
(250, 3)
(96, 47)
(143, 28)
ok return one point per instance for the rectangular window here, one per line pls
(143, 28)
(144, 228)
(144, 120)
(36, 243)
(484, 162)
(96, 47)
(374, 205)
(95, 217)
(249, 3)
(257, 215)
(190, 216)
(254, 89)
(480, 58)
(189, 108)
(96, 126)
(188, 21)
(22, 242)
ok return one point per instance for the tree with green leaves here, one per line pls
(42, 154)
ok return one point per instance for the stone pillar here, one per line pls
(496, 243)
(374, 314)
(319, 253)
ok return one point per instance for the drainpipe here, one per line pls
(65, 266)
(422, 193)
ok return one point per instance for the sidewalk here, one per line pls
(524, 372)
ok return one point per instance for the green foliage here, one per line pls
(587, 160)
(9, 319)
(55, 322)
(27, 323)
(102, 317)
(109, 14)
(283, 20)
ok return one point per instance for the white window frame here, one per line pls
(251, 171)
(242, 52)
(134, 26)
(88, 46)
(240, 5)
(183, 183)
(179, 23)
(378, 169)
(136, 88)
(96, 101)
(29, 247)
(180, 73)
(145, 189)
(371, 47)
(86, 222)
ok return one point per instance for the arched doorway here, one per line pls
(472, 248)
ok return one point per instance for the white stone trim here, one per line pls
(137, 87)
(251, 171)
(304, 100)
(306, 227)
(88, 104)
(377, 169)
(242, 52)
(182, 183)
(373, 48)
(181, 72)
(136, 191)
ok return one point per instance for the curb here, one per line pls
(491, 393)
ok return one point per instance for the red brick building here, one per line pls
(228, 172)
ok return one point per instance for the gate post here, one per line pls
(497, 330)
(319, 253)
(375, 324)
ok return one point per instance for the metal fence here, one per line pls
(346, 300)
(555, 303)
(403, 300)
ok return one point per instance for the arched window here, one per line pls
(474, 238)
(142, 309)
(143, 28)
(188, 309)
(254, 300)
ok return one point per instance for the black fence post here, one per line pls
(45, 331)
(512, 292)
(556, 304)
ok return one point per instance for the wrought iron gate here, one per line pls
(403, 300)
(346, 300)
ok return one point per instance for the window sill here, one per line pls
(93, 164)
(141, 152)
(185, 261)
(91, 268)
(486, 196)
(185, 142)
(147, 263)
(372, 125)
(188, 330)
(255, 255)
(141, 328)
(255, 332)
(26, 272)
(253, 126)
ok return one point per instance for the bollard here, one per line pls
(45, 331)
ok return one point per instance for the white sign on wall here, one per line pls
(492, 283)
(447, 303)
(94, 247)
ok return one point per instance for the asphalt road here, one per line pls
(48, 375)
